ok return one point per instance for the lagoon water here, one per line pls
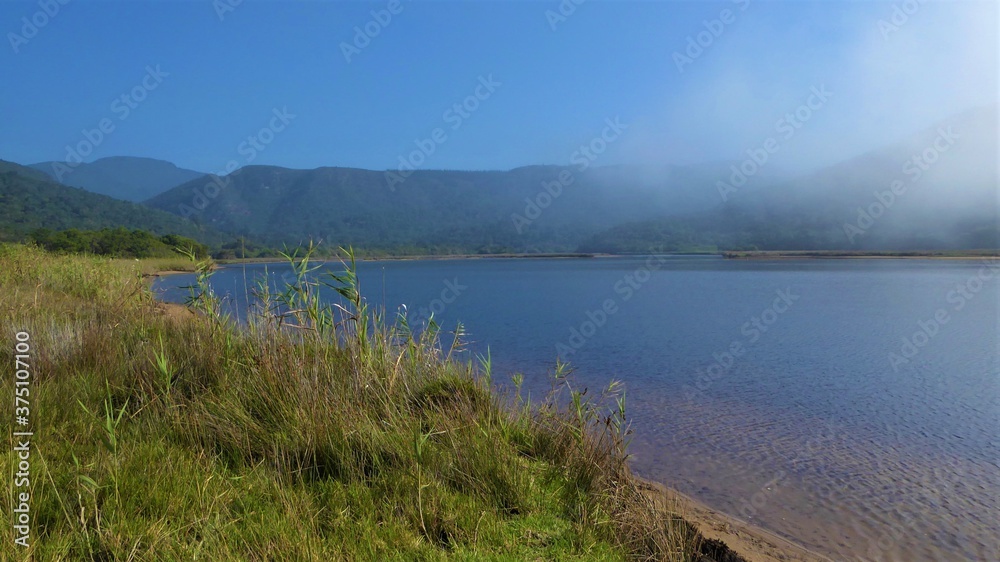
(852, 406)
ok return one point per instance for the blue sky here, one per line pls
(226, 76)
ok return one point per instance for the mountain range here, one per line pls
(122, 177)
(936, 189)
(536, 208)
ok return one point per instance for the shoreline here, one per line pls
(426, 257)
(728, 255)
(750, 542)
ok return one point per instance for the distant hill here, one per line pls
(947, 198)
(440, 211)
(28, 201)
(122, 177)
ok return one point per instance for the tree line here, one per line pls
(115, 242)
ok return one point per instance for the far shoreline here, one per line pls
(848, 255)
(728, 255)
(424, 257)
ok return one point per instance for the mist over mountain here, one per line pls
(123, 177)
(936, 189)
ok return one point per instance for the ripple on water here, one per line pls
(846, 492)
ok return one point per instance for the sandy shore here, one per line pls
(749, 542)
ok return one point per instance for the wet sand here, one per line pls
(752, 543)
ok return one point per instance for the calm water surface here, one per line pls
(852, 406)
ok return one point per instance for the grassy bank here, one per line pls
(315, 433)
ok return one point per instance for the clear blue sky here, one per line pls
(557, 87)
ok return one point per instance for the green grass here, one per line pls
(318, 434)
